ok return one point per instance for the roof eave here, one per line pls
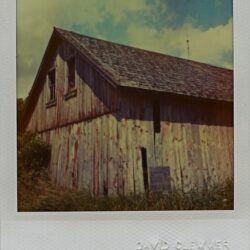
(193, 97)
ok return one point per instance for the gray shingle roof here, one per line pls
(137, 68)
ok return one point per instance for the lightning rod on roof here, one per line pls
(188, 46)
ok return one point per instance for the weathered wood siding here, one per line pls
(97, 136)
(195, 141)
(85, 155)
(94, 95)
(103, 155)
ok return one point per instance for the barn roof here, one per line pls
(137, 68)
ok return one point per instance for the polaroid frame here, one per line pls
(125, 230)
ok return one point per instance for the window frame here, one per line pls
(52, 87)
(70, 90)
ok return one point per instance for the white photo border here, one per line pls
(123, 230)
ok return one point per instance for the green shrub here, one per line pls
(33, 179)
(33, 153)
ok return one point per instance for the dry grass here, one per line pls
(36, 193)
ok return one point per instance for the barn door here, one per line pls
(145, 168)
(157, 154)
(159, 173)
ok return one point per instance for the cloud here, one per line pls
(119, 10)
(206, 46)
(137, 19)
(35, 21)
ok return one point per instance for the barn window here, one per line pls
(71, 73)
(144, 167)
(70, 79)
(157, 117)
(52, 84)
(51, 78)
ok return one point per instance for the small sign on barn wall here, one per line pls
(160, 180)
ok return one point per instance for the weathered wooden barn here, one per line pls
(123, 120)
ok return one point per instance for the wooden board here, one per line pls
(160, 179)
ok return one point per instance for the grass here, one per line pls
(37, 193)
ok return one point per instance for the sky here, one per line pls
(156, 25)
